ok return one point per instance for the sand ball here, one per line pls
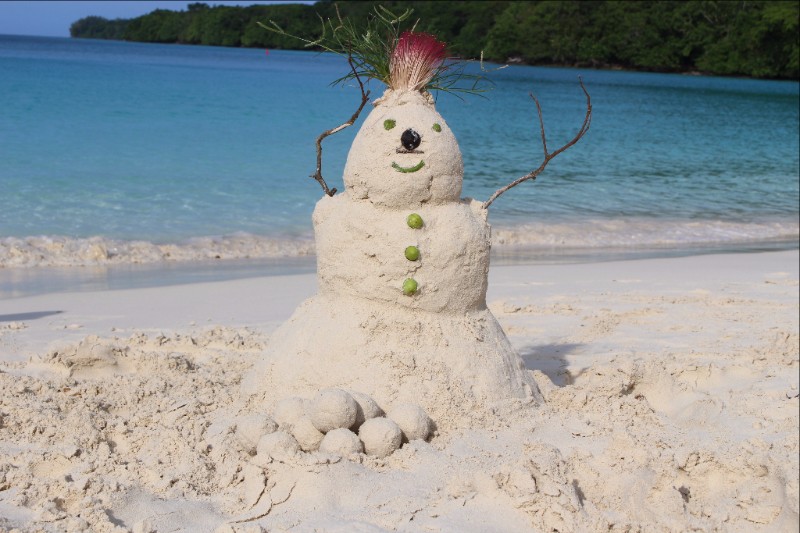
(250, 428)
(288, 410)
(278, 445)
(381, 436)
(332, 409)
(342, 442)
(413, 421)
(308, 437)
(367, 408)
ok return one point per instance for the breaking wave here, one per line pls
(544, 239)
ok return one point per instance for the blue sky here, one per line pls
(53, 18)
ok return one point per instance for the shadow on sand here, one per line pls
(550, 359)
(27, 316)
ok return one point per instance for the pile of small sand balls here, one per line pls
(335, 422)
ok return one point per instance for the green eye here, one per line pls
(389, 124)
(437, 128)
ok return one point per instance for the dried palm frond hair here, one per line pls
(381, 50)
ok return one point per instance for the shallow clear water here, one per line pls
(166, 143)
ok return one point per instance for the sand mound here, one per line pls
(140, 434)
(423, 358)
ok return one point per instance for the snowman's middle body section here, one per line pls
(360, 253)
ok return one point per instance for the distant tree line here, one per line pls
(739, 38)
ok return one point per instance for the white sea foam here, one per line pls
(65, 251)
(542, 239)
(636, 233)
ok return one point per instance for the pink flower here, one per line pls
(415, 60)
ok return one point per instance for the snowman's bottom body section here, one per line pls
(457, 367)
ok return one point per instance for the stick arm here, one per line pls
(548, 156)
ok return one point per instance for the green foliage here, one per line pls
(160, 26)
(758, 40)
(296, 19)
(723, 37)
(98, 28)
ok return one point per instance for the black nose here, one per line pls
(410, 139)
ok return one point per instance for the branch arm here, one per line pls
(317, 175)
(587, 121)
(541, 122)
(548, 156)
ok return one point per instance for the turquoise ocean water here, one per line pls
(209, 150)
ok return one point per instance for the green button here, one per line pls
(409, 286)
(414, 221)
(412, 253)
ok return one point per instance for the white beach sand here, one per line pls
(670, 387)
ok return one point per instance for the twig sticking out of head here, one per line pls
(548, 156)
(372, 46)
(317, 175)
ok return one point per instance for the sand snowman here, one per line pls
(402, 266)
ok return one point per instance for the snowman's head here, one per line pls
(404, 154)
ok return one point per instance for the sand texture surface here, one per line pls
(670, 403)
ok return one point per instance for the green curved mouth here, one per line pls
(406, 170)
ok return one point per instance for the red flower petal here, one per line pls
(415, 60)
